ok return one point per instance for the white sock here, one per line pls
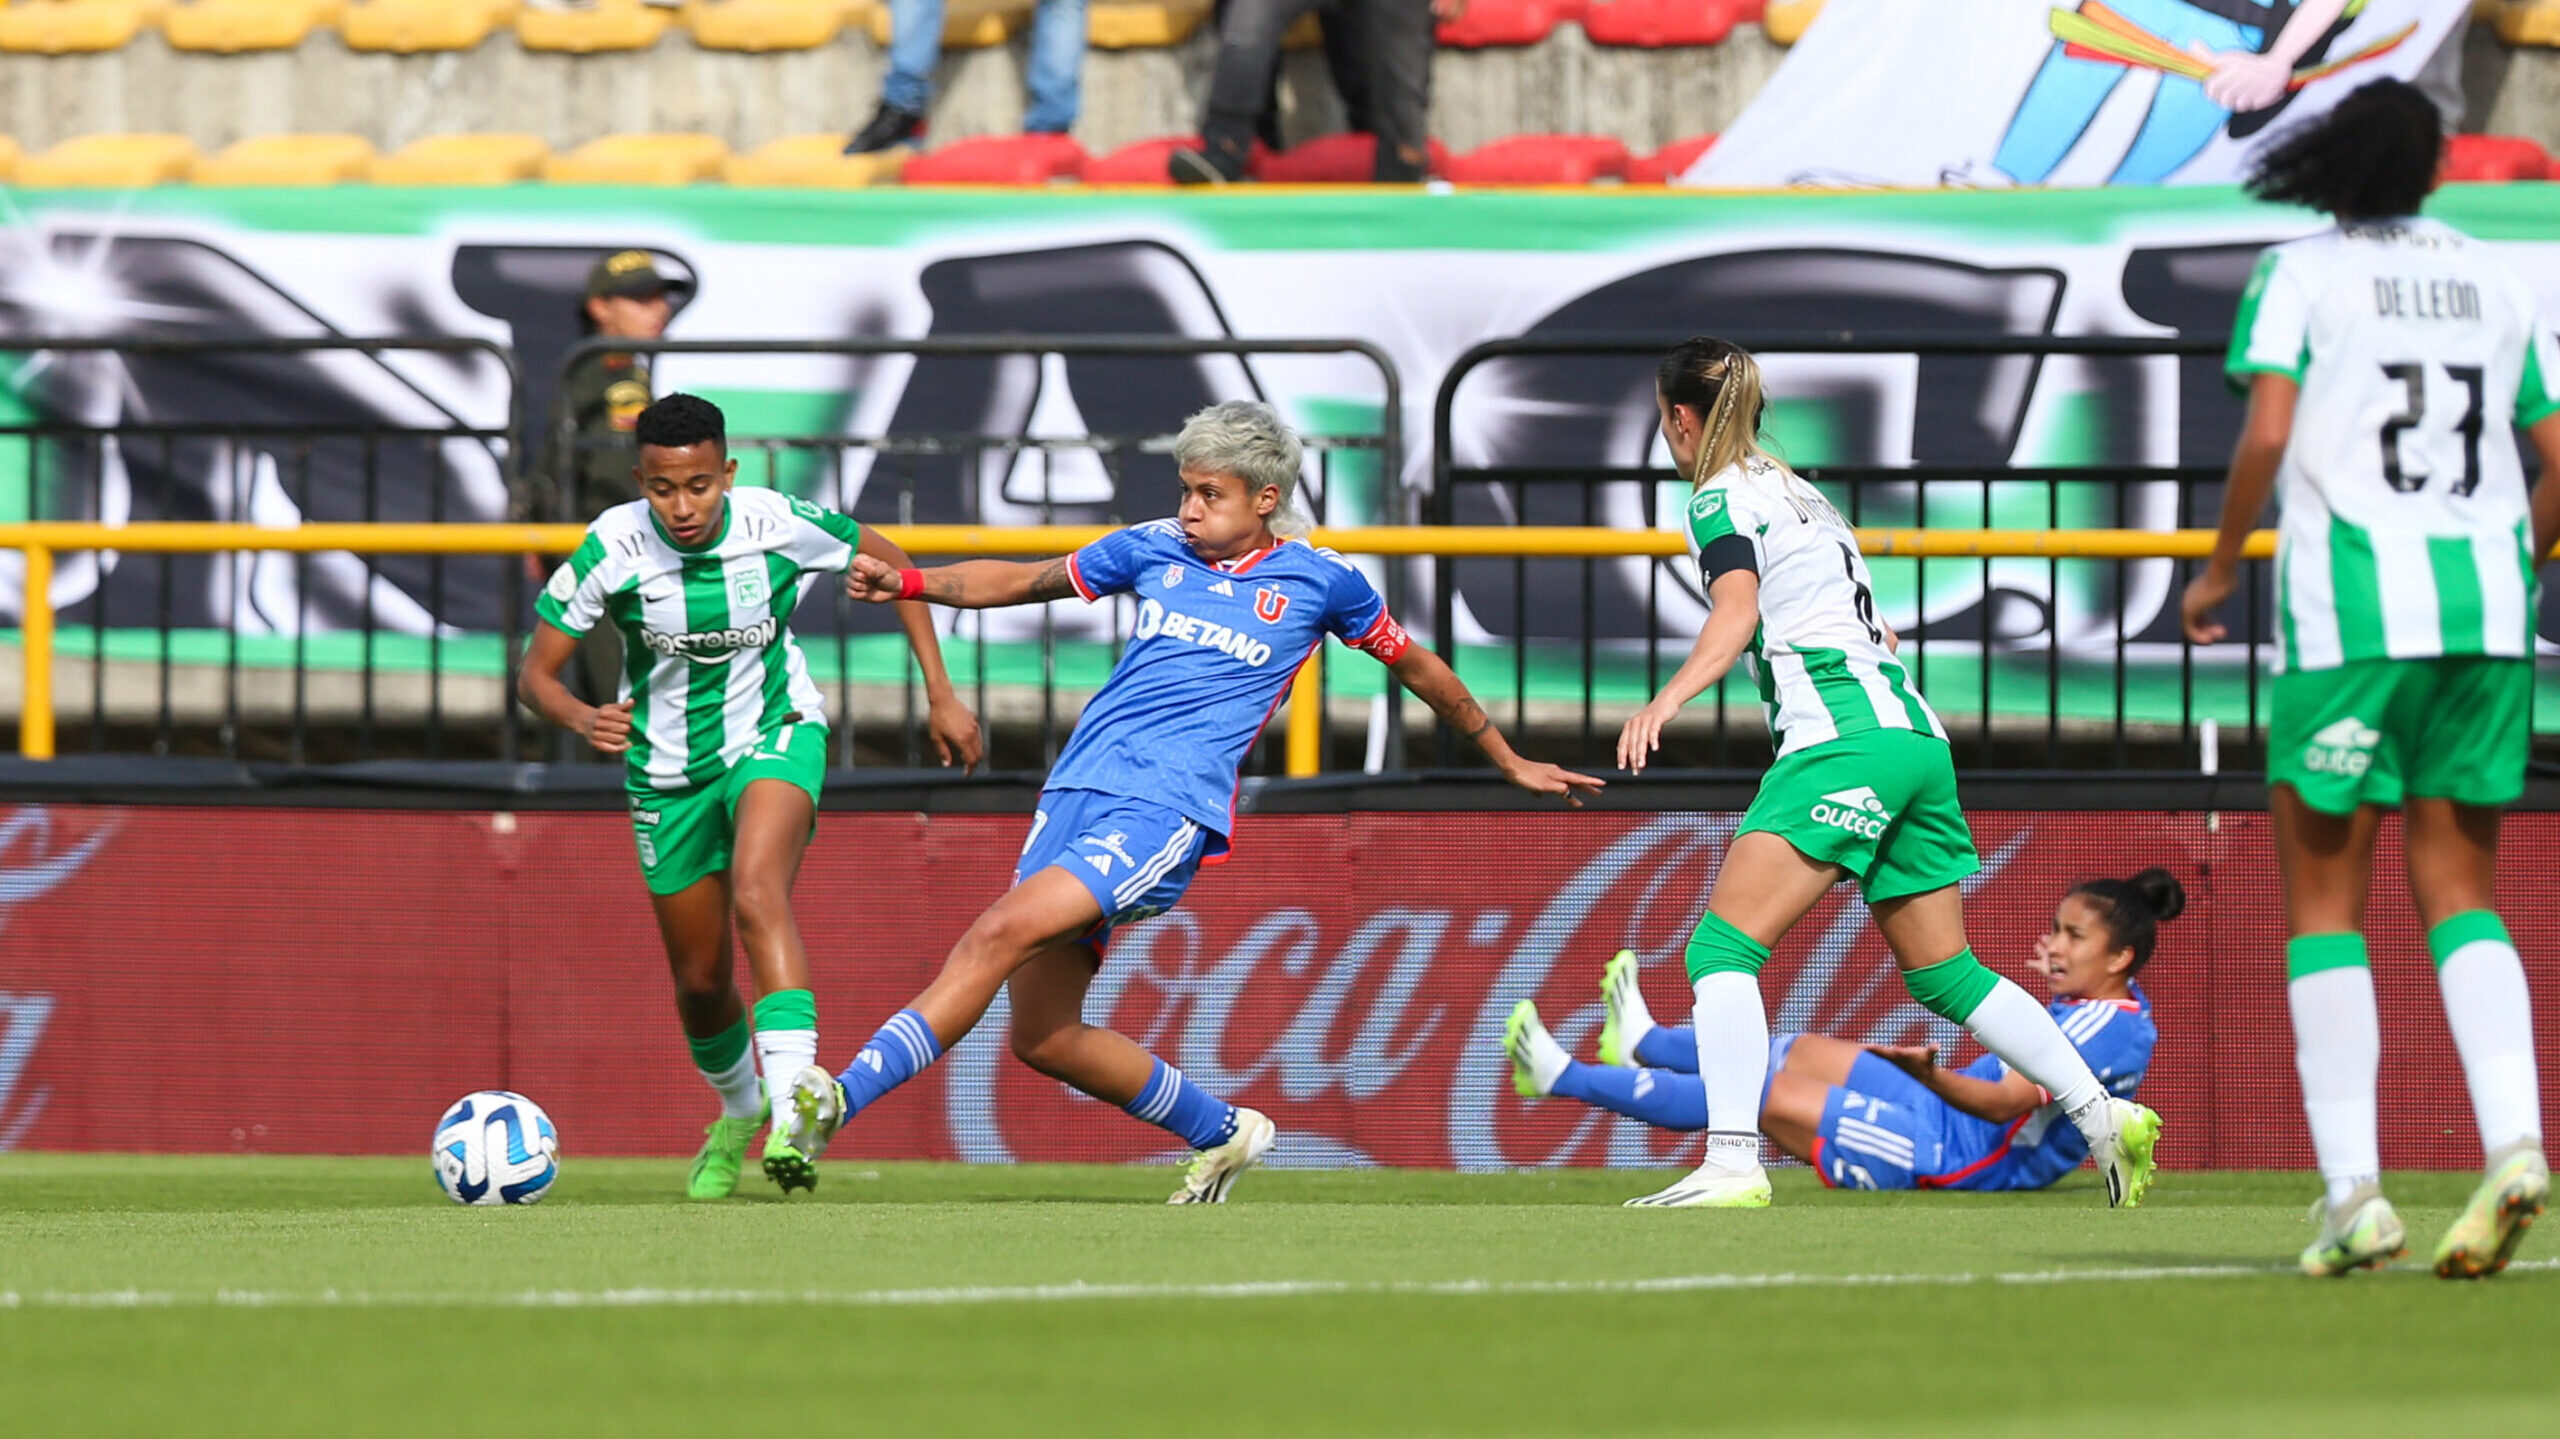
(2337, 1052)
(785, 1052)
(1546, 1058)
(2492, 1019)
(736, 1086)
(1733, 1059)
(2013, 1026)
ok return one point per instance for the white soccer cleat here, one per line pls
(2510, 1197)
(2363, 1233)
(2124, 1155)
(1624, 1017)
(1213, 1171)
(1712, 1186)
(812, 1111)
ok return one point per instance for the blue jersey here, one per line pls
(2115, 1036)
(1212, 653)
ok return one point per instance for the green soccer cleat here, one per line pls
(724, 1154)
(1620, 999)
(2126, 1158)
(1214, 1171)
(2505, 1205)
(787, 1166)
(1523, 1037)
(2368, 1236)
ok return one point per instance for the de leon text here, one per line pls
(2412, 299)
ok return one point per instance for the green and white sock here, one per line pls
(786, 1036)
(2013, 1026)
(731, 1070)
(2337, 1053)
(2491, 1014)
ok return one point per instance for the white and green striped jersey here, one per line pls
(707, 653)
(1820, 654)
(2405, 532)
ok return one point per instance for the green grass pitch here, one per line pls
(282, 1297)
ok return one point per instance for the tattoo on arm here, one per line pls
(1469, 719)
(942, 587)
(1053, 582)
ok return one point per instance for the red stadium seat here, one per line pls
(1541, 160)
(1508, 22)
(1664, 165)
(1659, 23)
(1144, 162)
(1344, 159)
(999, 160)
(2495, 157)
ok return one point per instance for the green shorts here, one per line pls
(686, 834)
(2378, 731)
(1880, 804)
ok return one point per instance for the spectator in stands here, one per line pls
(1393, 40)
(1054, 74)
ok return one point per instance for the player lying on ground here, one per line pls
(1863, 788)
(1229, 603)
(2388, 361)
(1888, 1116)
(726, 743)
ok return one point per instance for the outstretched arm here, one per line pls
(968, 585)
(948, 722)
(1729, 628)
(1429, 676)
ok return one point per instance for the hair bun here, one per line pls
(2159, 892)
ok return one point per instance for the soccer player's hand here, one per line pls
(1642, 735)
(871, 578)
(1538, 777)
(1445, 11)
(1917, 1060)
(2242, 80)
(954, 731)
(2205, 594)
(608, 727)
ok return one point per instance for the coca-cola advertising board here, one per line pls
(326, 981)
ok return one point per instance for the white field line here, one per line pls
(1065, 1293)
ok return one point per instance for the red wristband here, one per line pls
(911, 584)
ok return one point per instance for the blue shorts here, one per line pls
(1882, 1130)
(1134, 857)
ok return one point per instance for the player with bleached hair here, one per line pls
(1231, 601)
(1863, 788)
(2387, 361)
(1890, 1116)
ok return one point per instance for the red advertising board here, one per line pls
(326, 981)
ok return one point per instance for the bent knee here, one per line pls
(1046, 1050)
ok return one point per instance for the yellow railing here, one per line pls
(40, 542)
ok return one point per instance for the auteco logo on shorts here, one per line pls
(708, 645)
(1856, 810)
(2344, 748)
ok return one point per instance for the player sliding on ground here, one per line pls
(2387, 360)
(1863, 788)
(1889, 1116)
(1230, 603)
(726, 743)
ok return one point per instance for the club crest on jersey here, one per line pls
(1707, 504)
(1269, 605)
(748, 590)
(1172, 576)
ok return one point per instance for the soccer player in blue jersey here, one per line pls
(1230, 602)
(1889, 1116)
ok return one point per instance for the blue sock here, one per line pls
(1174, 1103)
(1669, 1046)
(898, 1053)
(1659, 1097)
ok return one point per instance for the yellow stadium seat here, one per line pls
(611, 25)
(463, 160)
(967, 24)
(640, 160)
(407, 26)
(814, 160)
(228, 27)
(1785, 19)
(1143, 24)
(759, 25)
(2529, 22)
(76, 26)
(120, 162)
(10, 155)
(289, 160)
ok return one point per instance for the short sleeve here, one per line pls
(2272, 335)
(1723, 533)
(573, 599)
(820, 538)
(1109, 565)
(1357, 613)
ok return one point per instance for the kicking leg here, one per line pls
(1540, 1067)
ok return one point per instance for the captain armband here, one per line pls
(1385, 641)
(1725, 554)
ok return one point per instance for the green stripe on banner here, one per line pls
(2460, 608)
(2355, 590)
(706, 607)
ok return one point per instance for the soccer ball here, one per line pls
(494, 1147)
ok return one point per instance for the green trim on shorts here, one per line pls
(1717, 947)
(684, 835)
(1879, 803)
(2307, 954)
(2469, 927)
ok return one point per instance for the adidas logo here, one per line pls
(1856, 810)
(1223, 587)
(1101, 863)
(2343, 748)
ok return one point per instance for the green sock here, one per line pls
(2462, 929)
(725, 1062)
(786, 1037)
(1952, 988)
(717, 1053)
(1718, 946)
(2312, 953)
(787, 1009)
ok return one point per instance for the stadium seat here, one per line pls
(640, 160)
(967, 24)
(1656, 24)
(1144, 163)
(1660, 167)
(1341, 159)
(10, 155)
(761, 25)
(119, 162)
(2495, 157)
(407, 26)
(2526, 22)
(76, 26)
(228, 27)
(1785, 19)
(999, 160)
(814, 161)
(610, 25)
(463, 160)
(1487, 23)
(1541, 160)
(289, 160)
(1143, 24)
